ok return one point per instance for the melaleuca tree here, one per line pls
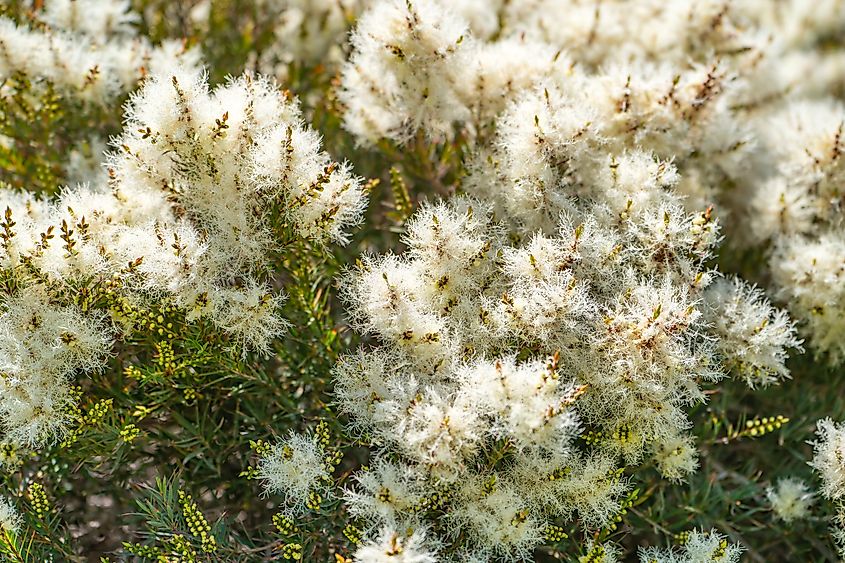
(600, 236)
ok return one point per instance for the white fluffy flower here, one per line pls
(385, 492)
(790, 499)
(829, 462)
(94, 18)
(528, 403)
(404, 71)
(676, 457)
(42, 346)
(808, 276)
(700, 547)
(497, 517)
(395, 547)
(599, 553)
(829, 458)
(90, 58)
(307, 32)
(10, 519)
(294, 467)
(753, 336)
(191, 187)
(795, 209)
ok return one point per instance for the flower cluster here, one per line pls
(307, 32)
(418, 67)
(205, 175)
(197, 183)
(829, 462)
(392, 547)
(787, 195)
(87, 49)
(42, 346)
(571, 292)
(797, 210)
(790, 499)
(711, 87)
(492, 351)
(295, 467)
(10, 519)
(699, 547)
